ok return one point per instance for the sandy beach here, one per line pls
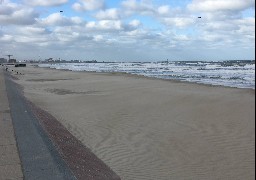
(145, 128)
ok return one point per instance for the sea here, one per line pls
(238, 74)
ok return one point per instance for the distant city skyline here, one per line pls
(128, 30)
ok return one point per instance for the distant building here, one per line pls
(92, 61)
(49, 60)
(12, 61)
(3, 60)
(74, 61)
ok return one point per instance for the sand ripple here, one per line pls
(152, 129)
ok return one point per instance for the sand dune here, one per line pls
(152, 129)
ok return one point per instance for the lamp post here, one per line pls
(9, 55)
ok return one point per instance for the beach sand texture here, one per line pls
(144, 128)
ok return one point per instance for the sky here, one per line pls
(128, 30)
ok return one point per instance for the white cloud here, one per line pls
(76, 20)
(164, 10)
(6, 38)
(181, 37)
(15, 14)
(28, 39)
(112, 27)
(56, 19)
(91, 24)
(220, 5)
(135, 23)
(98, 38)
(30, 30)
(112, 13)
(212, 37)
(29, 34)
(220, 16)
(246, 27)
(105, 25)
(180, 22)
(238, 33)
(218, 26)
(46, 2)
(70, 37)
(144, 7)
(77, 7)
(222, 23)
(88, 5)
(138, 34)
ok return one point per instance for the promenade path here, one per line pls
(10, 165)
(39, 158)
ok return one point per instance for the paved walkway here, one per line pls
(10, 165)
(39, 158)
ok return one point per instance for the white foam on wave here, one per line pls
(214, 73)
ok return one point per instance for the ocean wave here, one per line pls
(240, 74)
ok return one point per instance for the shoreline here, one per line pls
(147, 77)
(240, 76)
(150, 129)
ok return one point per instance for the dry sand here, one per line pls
(151, 129)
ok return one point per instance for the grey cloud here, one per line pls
(220, 5)
(6, 10)
(108, 14)
(32, 30)
(144, 7)
(45, 2)
(14, 14)
(109, 26)
(56, 19)
(19, 18)
(88, 5)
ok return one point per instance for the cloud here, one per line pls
(220, 5)
(46, 2)
(27, 39)
(64, 35)
(239, 33)
(29, 34)
(136, 27)
(135, 23)
(163, 14)
(164, 10)
(246, 28)
(15, 14)
(6, 38)
(32, 30)
(88, 5)
(112, 25)
(144, 7)
(98, 38)
(6, 10)
(56, 19)
(180, 22)
(218, 26)
(109, 14)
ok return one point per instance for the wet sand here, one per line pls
(145, 128)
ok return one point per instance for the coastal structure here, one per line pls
(3, 60)
(9, 56)
(12, 61)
